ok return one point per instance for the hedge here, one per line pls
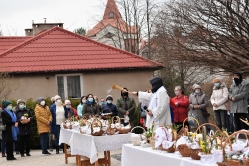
(30, 104)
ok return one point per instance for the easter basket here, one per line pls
(119, 128)
(137, 138)
(96, 127)
(168, 145)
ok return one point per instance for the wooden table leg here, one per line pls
(65, 151)
(109, 158)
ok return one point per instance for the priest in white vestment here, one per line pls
(159, 107)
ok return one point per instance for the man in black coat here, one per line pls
(9, 135)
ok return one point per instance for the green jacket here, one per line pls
(120, 104)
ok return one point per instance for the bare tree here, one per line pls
(214, 31)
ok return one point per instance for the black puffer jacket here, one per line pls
(24, 129)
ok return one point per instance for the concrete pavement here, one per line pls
(36, 159)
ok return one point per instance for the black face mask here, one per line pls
(125, 93)
(237, 81)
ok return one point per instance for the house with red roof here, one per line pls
(57, 61)
(114, 30)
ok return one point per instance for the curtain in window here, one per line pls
(73, 86)
(60, 85)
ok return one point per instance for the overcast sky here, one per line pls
(17, 15)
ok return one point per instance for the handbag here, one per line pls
(2, 127)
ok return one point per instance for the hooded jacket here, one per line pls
(240, 93)
(219, 97)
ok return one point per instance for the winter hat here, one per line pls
(109, 97)
(52, 99)
(239, 74)
(40, 99)
(197, 86)
(216, 80)
(67, 102)
(57, 97)
(5, 103)
(156, 83)
(20, 101)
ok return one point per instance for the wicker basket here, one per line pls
(110, 131)
(194, 153)
(221, 164)
(97, 122)
(136, 141)
(172, 149)
(121, 130)
(232, 163)
(184, 150)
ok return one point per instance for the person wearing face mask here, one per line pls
(126, 107)
(197, 103)
(218, 99)
(180, 104)
(58, 116)
(109, 107)
(44, 119)
(159, 107)
(91, 108)
(102, 102)
(81, 105)
(24, 118)
(10, 133)
(69, 110)
(238, 100)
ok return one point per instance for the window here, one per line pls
(111, 14)
(109, 35)
(69, 86)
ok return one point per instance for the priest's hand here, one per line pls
(150, 113)
(134, 93)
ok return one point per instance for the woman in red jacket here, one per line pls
(180, 104)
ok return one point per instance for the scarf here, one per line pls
(15, 130)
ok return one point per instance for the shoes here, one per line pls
(3, 155)
(46, 153)
(28, 154)
(57, 150)
(11, 158)
(22, 155)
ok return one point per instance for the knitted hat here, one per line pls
(57, 97)
(156, 83)
(20, 101)
(67, 102)
(52, 99)
(109, 96)
(216, 80)
(5, 103)
(40, 99)
(239, 74)
(197, 86)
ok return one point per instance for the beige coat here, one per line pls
(43, 115)
(220, 97)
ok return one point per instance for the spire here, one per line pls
(111, 10)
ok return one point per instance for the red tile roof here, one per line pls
(10, 41)
(60, 50)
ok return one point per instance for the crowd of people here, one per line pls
(155, 107)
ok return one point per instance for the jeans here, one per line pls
(220, 116)
(238, 123)
(57, 135)
(229, 123)
(51, 141)
(43, 142)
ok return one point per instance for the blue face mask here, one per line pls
(9, 108)
(217, 84)
(102, 103)
(22, 106)
(90, 99)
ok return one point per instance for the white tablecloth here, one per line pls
(137, 155)
(89, 146)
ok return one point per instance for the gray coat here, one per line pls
(240, 94)
(201, 100)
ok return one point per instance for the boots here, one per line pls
(57, 149)
(3, 154)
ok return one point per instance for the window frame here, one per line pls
(111, 15)
(65, 83)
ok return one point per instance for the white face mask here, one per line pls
(42, 103)
(109, 101)
(84, 101)
(58, 101)
(197, 91)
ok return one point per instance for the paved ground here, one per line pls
(36, 159)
